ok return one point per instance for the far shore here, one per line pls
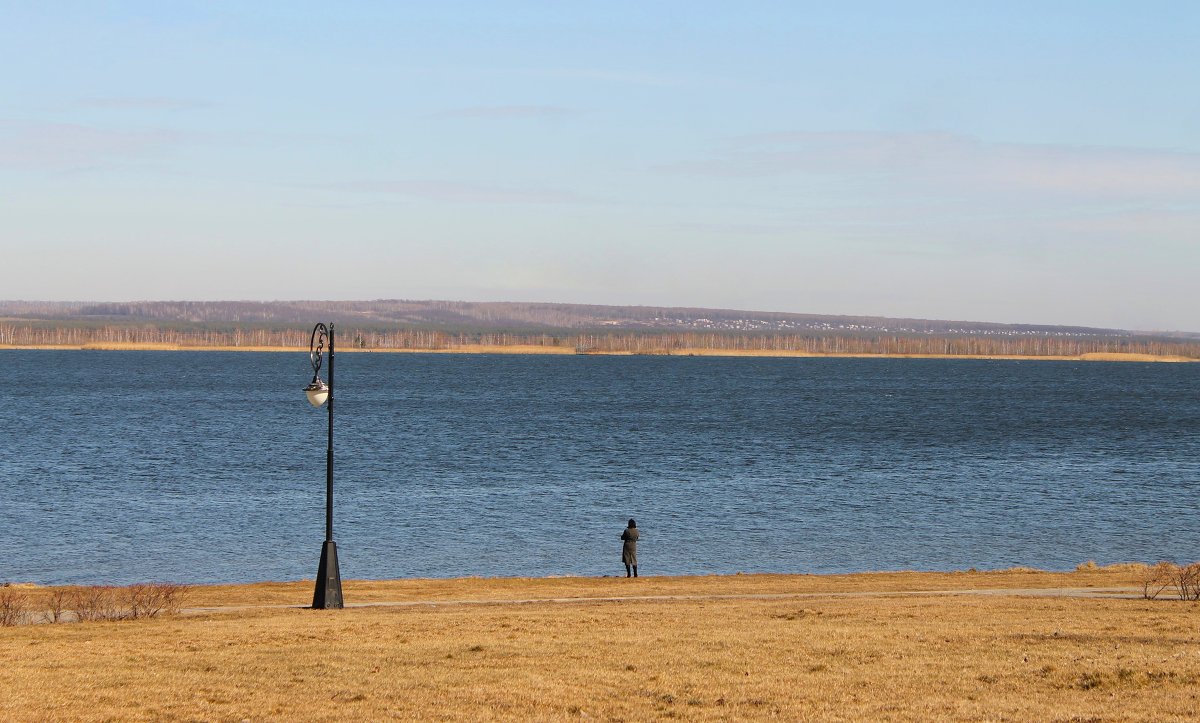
(560, 350)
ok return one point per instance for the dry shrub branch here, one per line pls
(58, 604)
(143, 600)
(95, 602)
(13, 603)
(1154, 579)
(149, 600)
(1185, 579)
(90, 603)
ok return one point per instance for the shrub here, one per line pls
(149, 600)
(58, 602)
(96, 602)
(1184, 578)
(1187, 581)
(1156, 578)
(12, 606)
(103, 602)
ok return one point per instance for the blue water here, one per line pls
(205, 467)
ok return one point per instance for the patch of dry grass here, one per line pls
(877, 656)
(500, 589)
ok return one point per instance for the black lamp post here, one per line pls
(328, 593)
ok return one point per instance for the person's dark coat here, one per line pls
(629, 549)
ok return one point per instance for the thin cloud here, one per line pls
(49, 146)
(508, 111)
(1171, 225)
(151, 103)
(959, 163)
(734, 229)
(615, 77)
(460, 192)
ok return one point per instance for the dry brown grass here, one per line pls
(872, 655)
(500, 589)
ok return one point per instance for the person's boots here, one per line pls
(635, 570)
(627, 571)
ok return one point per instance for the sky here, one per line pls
(1019, 162)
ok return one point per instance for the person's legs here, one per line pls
(635, 570)
(627, 571)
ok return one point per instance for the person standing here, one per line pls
(629, 548)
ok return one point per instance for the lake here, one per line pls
(210, 467)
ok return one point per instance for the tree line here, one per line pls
(16, 334)
(527, 317)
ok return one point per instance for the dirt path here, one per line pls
(1130, 593)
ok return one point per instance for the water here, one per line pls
(207, 467)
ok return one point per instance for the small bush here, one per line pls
(1187, 581)
(1156, 578)
(12, 606)
(149, 600)
(91, 603)
(59, 603)
(96, 602)
(143, 600)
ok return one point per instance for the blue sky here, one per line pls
(1015, 162)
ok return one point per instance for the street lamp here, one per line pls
(328, 593)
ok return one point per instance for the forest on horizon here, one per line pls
(446, 325)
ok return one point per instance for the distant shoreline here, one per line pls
(551, 350)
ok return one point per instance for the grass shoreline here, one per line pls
(550, 350)
(501, 589)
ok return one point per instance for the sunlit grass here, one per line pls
(719, 648)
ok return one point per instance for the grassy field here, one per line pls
(855, 647)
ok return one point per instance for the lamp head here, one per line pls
(317, 391)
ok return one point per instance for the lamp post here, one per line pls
(328, 592)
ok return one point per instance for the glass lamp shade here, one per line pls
(318, 392)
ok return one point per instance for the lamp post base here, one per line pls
(328, 594)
